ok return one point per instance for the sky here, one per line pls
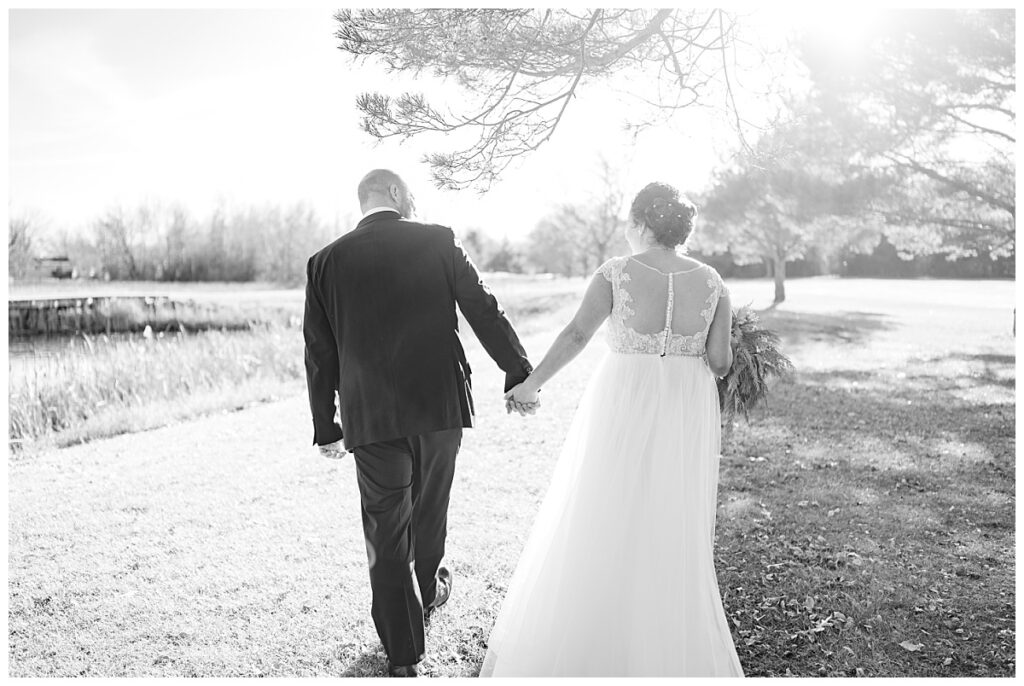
(242, 107)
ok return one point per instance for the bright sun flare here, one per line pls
(845, 28)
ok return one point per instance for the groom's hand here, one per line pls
(334, 451)
(522, 400)
(522, 408)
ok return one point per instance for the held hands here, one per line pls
(523, 399)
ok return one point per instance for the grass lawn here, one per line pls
(866, 518)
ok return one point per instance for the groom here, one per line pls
(381, 331)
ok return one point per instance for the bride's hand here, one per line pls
(523, 399)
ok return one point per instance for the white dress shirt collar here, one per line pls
(375, 210)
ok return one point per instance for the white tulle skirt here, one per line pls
(618, 576)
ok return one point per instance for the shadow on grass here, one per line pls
(867, 524)
(371, 663)
(987, 358)
(796, 328)
(998, 370)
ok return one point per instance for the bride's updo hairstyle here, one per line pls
(669, 217)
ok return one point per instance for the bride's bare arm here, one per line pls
(719, 343)
(595, 308)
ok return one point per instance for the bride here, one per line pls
(618, 577)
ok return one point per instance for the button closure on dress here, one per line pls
(668, 317)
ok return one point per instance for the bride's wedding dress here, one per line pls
(618, 576)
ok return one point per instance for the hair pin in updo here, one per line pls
(665, 207)
(652, 209)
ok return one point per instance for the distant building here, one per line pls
(51, 267)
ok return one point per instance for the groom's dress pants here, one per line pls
(404, 487)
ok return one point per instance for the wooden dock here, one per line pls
(32, 317)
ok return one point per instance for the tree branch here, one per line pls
(982, 129)
(905, 161)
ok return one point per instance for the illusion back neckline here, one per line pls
(655, 269)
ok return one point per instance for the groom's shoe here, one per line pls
(441, 595)
(402, 670)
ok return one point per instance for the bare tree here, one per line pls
(607, 212)
(555, 245)
(176, 264)
(20, 246)
(576, 238)
(479, 245)
(117, 239)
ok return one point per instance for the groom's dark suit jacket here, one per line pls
(381, 329)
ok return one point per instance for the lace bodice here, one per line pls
(624, 339)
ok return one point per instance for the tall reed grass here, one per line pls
(99, 375)
(100, 385)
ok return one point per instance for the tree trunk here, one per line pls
(779, 269)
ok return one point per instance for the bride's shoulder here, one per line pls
(714, 279)
(612, 267)
(686, 262)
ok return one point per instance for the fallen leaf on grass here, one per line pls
(912, 647)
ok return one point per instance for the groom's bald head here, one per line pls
(385, 188)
